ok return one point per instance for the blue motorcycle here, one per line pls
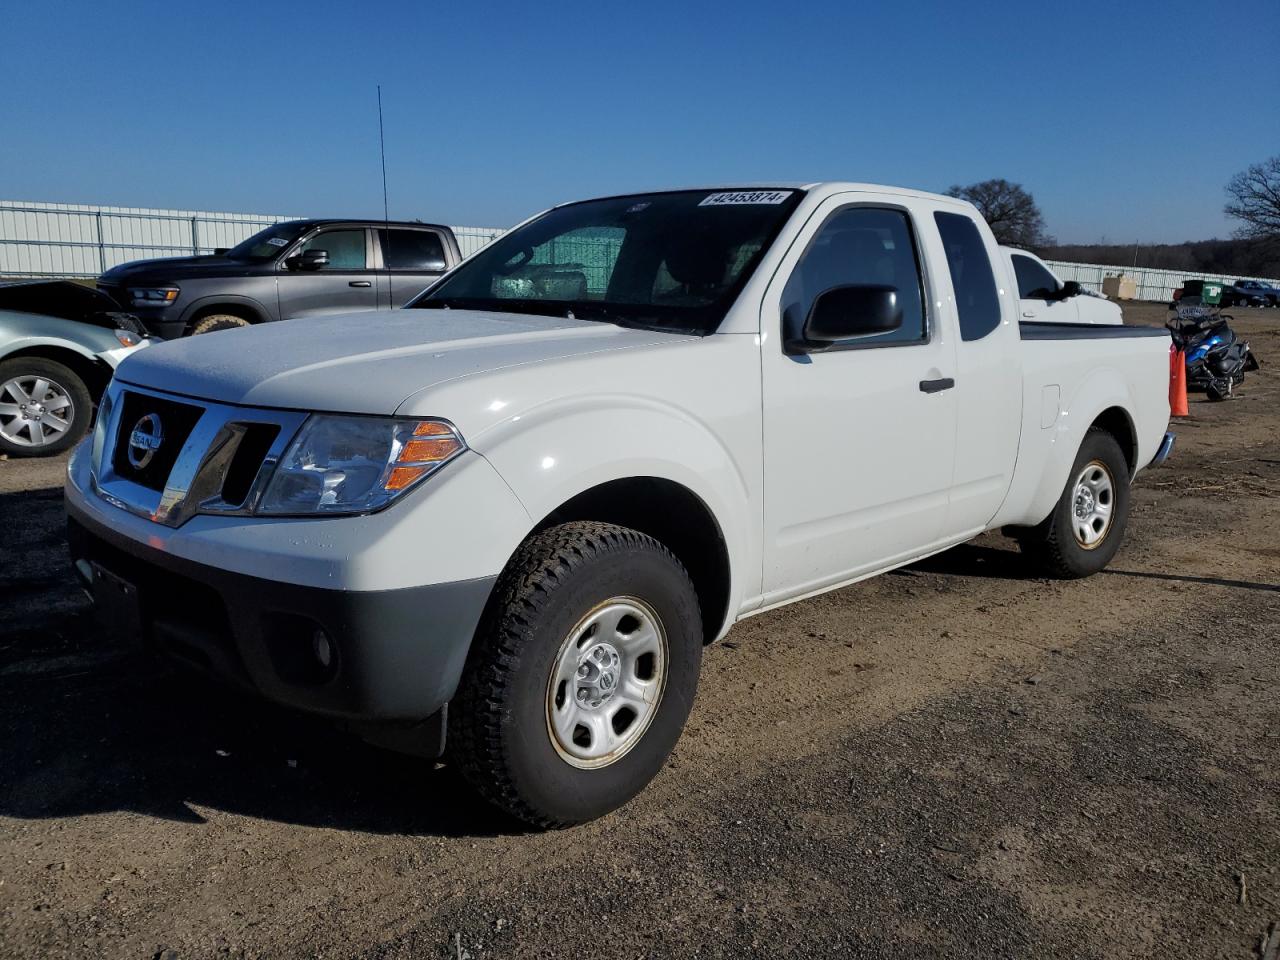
(1217, 359)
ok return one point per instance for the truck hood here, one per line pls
(175, 269)
(365, 362)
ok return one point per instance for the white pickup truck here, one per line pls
(508, 517)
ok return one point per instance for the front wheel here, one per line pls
(581, 676)
(45, 408)
(1083, 533)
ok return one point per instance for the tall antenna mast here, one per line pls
(382, 147)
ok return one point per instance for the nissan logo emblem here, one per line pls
(144, 441)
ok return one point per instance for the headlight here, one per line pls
(128, 338)
(342, 465)
(153, 296)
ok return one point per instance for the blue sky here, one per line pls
(495, 110)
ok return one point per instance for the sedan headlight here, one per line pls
(153, 296)
(345, 465)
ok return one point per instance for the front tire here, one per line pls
(218, 321)
(581, 676)
(1086, 527)
(45, 407)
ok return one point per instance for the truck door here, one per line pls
(1038, 293)
(859, 438)
(412, 260)
(344, 285)
(988, 372)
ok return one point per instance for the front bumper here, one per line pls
(394, 654)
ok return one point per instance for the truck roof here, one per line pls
(826, 186)
(371, 221)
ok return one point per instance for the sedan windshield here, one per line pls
(672, 261)
(267, 244)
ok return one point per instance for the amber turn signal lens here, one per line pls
(401, 477)
(431, 429)
(429, 451)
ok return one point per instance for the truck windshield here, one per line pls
(671, 261)
(267, 244)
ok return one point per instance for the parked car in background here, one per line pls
(508, 518)
(1250, 293)
(59, 343)
(1042, 296)
(299, 268)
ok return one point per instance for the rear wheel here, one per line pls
(218, 321)
(1085, 529)
(581, 676)
(45, 408)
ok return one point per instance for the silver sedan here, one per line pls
(52, 371)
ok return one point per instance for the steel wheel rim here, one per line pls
(606, 683)
(1093, 503)
(35, 411)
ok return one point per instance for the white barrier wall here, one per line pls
(73, 240)
(70, 240)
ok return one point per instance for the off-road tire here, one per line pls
(218, 321)
(1052, 544)
(71, 384)
(498, 733)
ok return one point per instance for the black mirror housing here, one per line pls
(310, 260)
(850, 311)
(1070, 289)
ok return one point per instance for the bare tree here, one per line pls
(1009, 210)
(1255, 200)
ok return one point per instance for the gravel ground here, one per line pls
(956, 759)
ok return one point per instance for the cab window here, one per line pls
(419, 250)
(861, 245)
(1034, 281)
(977, 301)
(346, 248)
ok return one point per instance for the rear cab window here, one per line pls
(421, 251)
(974, 283)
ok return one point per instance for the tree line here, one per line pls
(1253, 199)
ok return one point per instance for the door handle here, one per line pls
(937, 386)
(359, 283)
(1029, 314)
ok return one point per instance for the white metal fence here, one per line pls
(70, 240)
(1152, 284)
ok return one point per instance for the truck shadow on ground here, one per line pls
(94, 732)
(86, 728)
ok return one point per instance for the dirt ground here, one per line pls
(953, 760)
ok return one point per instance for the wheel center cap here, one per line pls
(598, 671)
(1084, 503)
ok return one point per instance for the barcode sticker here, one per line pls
(739, 197)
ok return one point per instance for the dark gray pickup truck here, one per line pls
(294, 269)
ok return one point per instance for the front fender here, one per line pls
(249, 303)
(563, 448)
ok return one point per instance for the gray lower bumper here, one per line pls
(391, 654)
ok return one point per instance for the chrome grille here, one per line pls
(216, 450)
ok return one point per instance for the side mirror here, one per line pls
(1070, 289)
(309, 260)
(219, 251)
(848, 312)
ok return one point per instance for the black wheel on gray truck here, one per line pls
(581, 676)
(1083, 533)
(218, 321)
(45, 408)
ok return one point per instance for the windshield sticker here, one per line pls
(277, 241)
(739, 197)
(637, 207)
